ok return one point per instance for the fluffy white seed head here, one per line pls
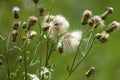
(58, 26)
(55, 25)
(70, 41)
(98, 21)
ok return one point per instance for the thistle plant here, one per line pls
(54, 37)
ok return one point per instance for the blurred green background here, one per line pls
(104, 57)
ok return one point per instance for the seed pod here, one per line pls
(35, 1)
(90, 72)
(60, 49)
(31, 21)
(108, 11)
(45, 26)
(102, 37)
(15, 25)
(86, 15)
(14, 35)
(113, 26)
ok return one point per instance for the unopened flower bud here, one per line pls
(24, 25)
(41, 11)
(60, 49)
(35, 1)
(108, 11)
(102, 37)
(15, 12)
(32, 34)
(14, 35)
(86, 15)
(31, 21)
(15, 25)
(113, 26)
(90, 22)
(90, 72)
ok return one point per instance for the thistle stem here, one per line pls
(25, 61)
(86, 53)
(6, 54)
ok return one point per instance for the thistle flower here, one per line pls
(16, 25)
(113, 26)
(86, 15)
(90, 72)
(69, 41)
(15, 12)
(31, 21)
(30, 34)
(24, 38)
(41, 11)
(45, 26)
(58, 26)
(97, 21)
(102, 37)
(14, 35)
(35, 1)
(108, 11)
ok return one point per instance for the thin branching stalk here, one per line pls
(40, 44)
(40, 37)
(91, 45)
(75, 57)
(35, 52)
(25, 60)
(48, 54)
(6, 46)
(51, 8)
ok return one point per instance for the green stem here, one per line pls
(25, 60)
(91, 45)
(33, 56)
(52, 49)
(47, 52)
(75, 57)
(6, 54)
(40, 40)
